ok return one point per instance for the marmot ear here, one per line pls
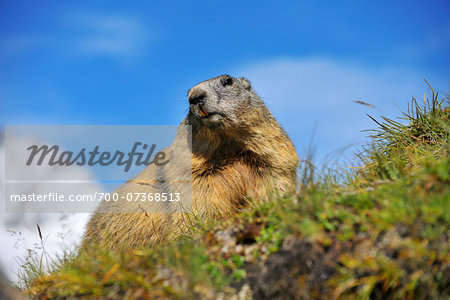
(245, 83)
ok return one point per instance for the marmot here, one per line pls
(239, 153)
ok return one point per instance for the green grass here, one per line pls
(379, 231)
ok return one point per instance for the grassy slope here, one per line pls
(380, 231)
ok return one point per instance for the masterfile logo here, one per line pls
(93, 157)
(51, 168)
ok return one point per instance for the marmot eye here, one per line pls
(227, 81)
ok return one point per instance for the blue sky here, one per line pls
(132, 62)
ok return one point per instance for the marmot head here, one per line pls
(223, 102)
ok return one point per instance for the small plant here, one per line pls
(397, 147)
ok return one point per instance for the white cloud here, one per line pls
(109, 35)
(14, 45)
(122, 38)
(317, 91)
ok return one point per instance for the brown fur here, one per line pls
(247, 159)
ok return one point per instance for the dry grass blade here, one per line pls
(363, 103)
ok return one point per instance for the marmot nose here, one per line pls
(197, 97)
